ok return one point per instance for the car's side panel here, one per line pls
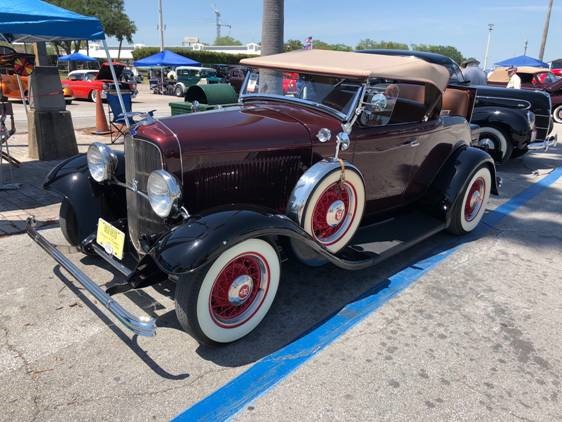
(512, 123)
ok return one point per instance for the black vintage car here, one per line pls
(510, 120)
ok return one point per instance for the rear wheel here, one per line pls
(178, 91)
(471, 204)
(227, 300)
(496, 143)
(557, 114)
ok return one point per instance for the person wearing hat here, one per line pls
(514, 79)
(472, 72)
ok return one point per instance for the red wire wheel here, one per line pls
(475, 199)
(334, 212)
(239, 290)
(22, 66)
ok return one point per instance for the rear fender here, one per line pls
(89, 200)
(454, 176)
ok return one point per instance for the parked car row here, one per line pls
(355, 165)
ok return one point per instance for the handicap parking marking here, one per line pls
(266, 373)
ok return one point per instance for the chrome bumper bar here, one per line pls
(544, 145)
(142, 325)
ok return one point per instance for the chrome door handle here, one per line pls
(414, 143)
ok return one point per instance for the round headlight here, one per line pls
(163, 192)
(101, 161)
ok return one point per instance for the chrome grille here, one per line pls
(141, 158)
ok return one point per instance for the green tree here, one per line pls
(125, 32)
(445, 50)
(368, 44)
(227, 40)
(291, 45)
(111, 14)
(321, 45)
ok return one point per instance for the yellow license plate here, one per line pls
(110, 238)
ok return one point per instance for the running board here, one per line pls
(373, 244)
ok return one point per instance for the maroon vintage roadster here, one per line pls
(355, 166)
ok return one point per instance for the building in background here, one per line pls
(195, 44)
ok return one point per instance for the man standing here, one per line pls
(514, 79)
(472, 72)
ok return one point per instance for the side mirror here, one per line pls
(379, 102)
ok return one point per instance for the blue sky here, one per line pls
(463, 24)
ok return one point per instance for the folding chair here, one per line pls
(115, 110)
(6, 112)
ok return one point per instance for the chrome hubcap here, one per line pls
(240, 289)
(335, 213)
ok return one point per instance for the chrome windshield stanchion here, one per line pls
(142, 325)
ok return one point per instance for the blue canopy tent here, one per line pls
(165, 58)
(77, 57)
(37, 21)
(521, 61)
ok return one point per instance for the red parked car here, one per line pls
(356, 167)
(86, 83)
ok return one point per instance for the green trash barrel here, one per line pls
(212, 94)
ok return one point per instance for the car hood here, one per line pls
(105, 72)
(241, 128)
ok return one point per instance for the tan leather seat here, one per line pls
(456, 102)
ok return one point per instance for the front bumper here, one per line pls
(142, 325)
(544, 144)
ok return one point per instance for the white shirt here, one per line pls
(514, 82)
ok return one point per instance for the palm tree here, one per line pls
(272, 40)
(545, 30)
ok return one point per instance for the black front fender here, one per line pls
(454, 176)
(89, 200)
(201, 239)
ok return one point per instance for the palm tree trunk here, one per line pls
(119, 50)
(545, 30)
(272, 42)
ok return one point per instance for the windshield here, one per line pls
(335, 93)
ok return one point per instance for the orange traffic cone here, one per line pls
(102, 127)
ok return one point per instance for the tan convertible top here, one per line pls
(500, 74)
(354, 65)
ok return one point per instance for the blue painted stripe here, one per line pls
(269, 371)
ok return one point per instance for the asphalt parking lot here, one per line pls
(454, 329)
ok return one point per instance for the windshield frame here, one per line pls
(343, 117)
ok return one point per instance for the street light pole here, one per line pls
(490, 29)
(545, 30)
(161, 25)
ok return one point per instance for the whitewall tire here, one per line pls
(334, 210)
(471, 205)
(496, 143)
(231, 297)
(557, 114)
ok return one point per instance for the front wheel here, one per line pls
(471, 204)
(93, 95)
(557, 114)
(228, 299)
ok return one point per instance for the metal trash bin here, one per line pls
(212, 94)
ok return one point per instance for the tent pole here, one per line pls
(23, 100)
(114, 76)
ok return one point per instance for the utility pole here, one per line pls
(525, 47)
(161, 26)
(490, 29)
(545, 30)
